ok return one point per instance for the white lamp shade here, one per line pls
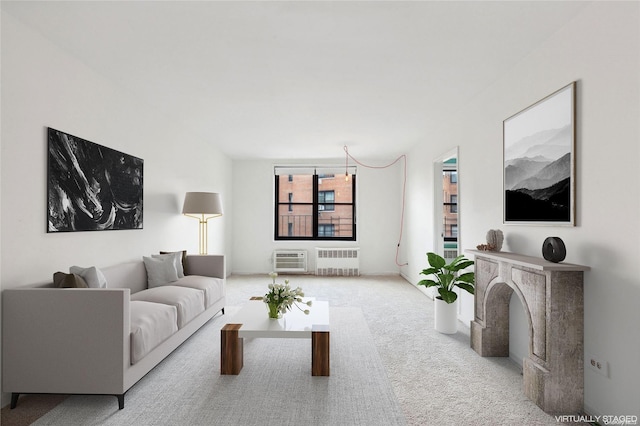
(208, 203)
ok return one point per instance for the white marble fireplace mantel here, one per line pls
(552, 297)
(528, 261)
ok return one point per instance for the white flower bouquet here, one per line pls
(281, 297)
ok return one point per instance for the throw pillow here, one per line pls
(176, 257)
(92, 275)
(183, 261)
(62, 280)
(160, 271)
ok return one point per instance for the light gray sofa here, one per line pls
(103, 340)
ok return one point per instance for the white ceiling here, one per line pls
(301, 79)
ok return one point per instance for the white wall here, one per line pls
(600, 49)
(43, 86)
(378, 218)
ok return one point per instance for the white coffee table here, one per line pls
(252, 321)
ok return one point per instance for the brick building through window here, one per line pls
(450, 203)
(314, 204)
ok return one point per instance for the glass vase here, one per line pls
(274, 310)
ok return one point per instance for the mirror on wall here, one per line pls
(446, 201)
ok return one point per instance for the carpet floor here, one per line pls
(388, 367)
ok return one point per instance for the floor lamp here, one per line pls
(202, 206)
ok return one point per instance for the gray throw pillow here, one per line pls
(183, 261)
(160, 271)
(92, 275)
(176, 257)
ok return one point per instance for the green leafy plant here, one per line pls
(447, 276)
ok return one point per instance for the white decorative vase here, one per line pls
(446, 316)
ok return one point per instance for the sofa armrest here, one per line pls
(65, 340)
(208, 265)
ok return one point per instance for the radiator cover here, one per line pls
(337, 261)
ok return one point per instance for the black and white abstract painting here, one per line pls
(91, 187)
(539, 144)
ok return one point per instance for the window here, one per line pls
(450, 205)
(325, 200)
(325, 230)
(314, 205)
(454, 203)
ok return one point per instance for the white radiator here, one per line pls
(290, 261)
(338, 261)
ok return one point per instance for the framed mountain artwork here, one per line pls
(91, 187)
(539, 161)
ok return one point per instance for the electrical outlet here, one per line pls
(597, 365)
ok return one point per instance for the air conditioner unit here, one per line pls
(290, 261)
(338, 261)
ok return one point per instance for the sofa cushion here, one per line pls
(213, 287)
(160, 271)
(151, 324)
(92, 275)
(188, 301)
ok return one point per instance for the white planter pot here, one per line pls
(446, 316)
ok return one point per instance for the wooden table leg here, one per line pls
(231, 349)
(320, 350)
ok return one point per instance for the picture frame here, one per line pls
(91, 187)
(539, 161)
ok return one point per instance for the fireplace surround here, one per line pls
(552, 297)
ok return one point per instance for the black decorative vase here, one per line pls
(553, 249)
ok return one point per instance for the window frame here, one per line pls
(315, 210)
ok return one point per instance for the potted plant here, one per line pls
(445, 278)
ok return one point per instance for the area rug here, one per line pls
(275, 387)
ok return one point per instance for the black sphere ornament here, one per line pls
(553, 249)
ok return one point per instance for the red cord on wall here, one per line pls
(404, 188)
